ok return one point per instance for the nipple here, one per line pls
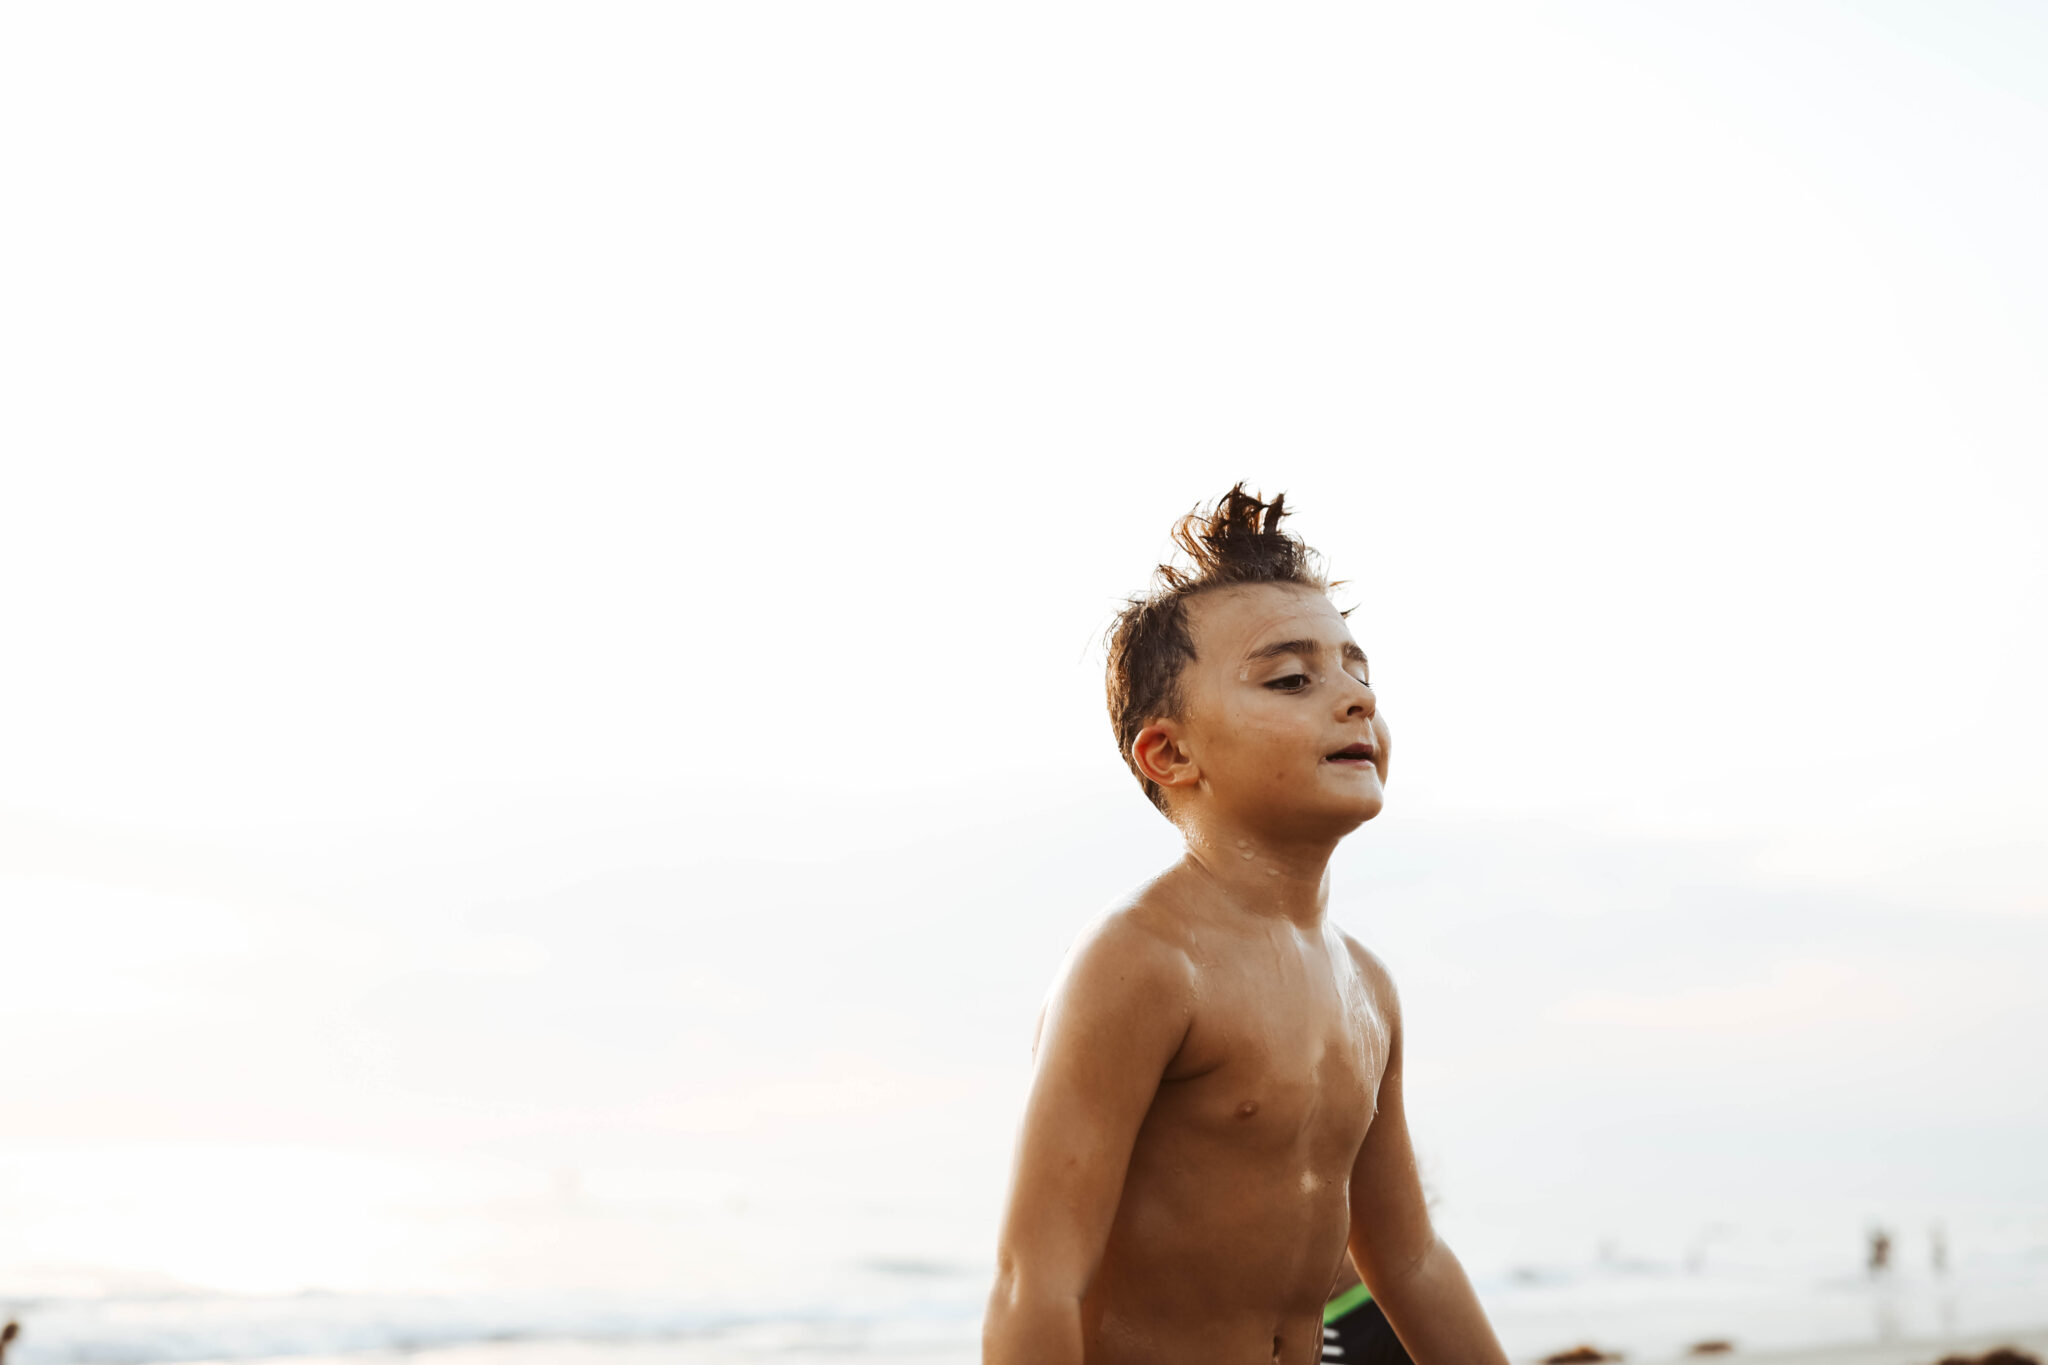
(1247, 1109)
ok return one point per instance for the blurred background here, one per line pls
(551, 734)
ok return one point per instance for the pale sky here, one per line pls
(555, 558)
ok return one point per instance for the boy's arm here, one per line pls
(1115, 1019)
(1417, 1281)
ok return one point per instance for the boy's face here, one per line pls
(1280, 722)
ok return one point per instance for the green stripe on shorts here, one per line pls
(1354, 1297)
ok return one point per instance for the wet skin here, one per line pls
(1215, 1110)
(1234, 1209)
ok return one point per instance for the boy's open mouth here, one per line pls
(1354, 753)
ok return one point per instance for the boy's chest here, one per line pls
(1282, 1050)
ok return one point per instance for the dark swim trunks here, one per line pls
(1356, 1332)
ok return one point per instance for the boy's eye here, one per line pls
(1293, 682)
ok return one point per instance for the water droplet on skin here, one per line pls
(1247, 1109)
(1246, 854)
(1272, 872)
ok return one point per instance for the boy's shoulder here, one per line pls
(1131, 966)
(1368, 961)
(1151, 921)
(1378, 978)
(1146, 939)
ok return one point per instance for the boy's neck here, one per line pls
(1261, 875)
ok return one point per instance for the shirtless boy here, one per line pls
(1215, 1112)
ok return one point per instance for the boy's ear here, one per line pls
(1159, 754)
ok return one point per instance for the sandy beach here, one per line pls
(2034, 1342)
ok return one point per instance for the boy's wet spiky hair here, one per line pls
(1236, 540)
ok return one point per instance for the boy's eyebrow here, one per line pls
(1308, 649)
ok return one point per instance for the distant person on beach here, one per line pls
(1880, 1251)
(1215, 1112)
